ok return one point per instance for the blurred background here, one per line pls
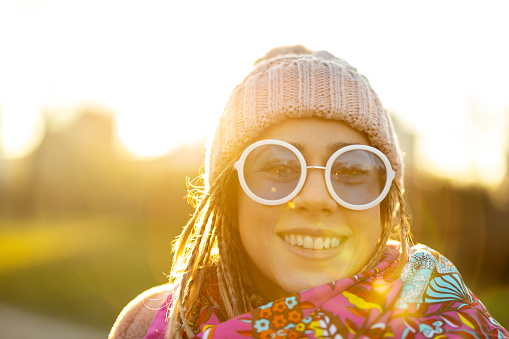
(105, 106)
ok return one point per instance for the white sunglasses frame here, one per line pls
(239, 166)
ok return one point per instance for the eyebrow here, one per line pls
(331, 148)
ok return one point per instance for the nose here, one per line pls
(314, 198)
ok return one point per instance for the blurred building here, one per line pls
(77, 169)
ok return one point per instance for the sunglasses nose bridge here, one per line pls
(322, 168)
(316, 167)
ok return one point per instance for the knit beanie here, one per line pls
(294, 82)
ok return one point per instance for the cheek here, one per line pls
(253, 218)
(366, 226)
(255, 229)
(256, 224)
(246, 212)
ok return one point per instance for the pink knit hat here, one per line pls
(294, 82)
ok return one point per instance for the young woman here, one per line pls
(302, 229)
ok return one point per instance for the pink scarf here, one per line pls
(428, 300)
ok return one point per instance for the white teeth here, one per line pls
(308, 242)
(326, 243)
(318, 243)
(300, 242)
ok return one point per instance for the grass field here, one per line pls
(86, 269)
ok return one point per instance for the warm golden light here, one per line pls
(166, 89)
(464, 162)
(19, 132)
(470, 151)
(90, 87)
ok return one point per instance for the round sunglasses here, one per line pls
(272, 172)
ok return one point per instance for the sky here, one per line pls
(166, 68)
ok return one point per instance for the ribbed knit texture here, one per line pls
(314, 84)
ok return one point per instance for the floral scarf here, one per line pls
(428, 300)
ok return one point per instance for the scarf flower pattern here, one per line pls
(428, 300)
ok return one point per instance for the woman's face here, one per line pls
(276, 266)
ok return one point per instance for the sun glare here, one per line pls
(479, 158)
(21, 130)
(144, 140)
(166, 88)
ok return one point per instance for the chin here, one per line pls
(310, 282)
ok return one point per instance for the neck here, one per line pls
(262, 285)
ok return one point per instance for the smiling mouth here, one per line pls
(314, 243)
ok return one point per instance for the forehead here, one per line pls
(315, 136)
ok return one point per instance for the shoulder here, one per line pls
(424, 258)
(135, 319)
(429, 277)
(434, 292)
